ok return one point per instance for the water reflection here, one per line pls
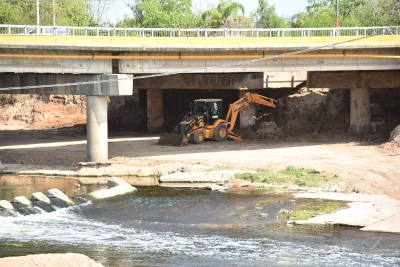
(12, 186)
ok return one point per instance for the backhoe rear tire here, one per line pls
(221, 132)
(198, 137)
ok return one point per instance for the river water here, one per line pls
(159, 226)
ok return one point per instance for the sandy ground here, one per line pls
(366, 166)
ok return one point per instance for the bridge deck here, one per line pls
(137, 38)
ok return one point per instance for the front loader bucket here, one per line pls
(170, 139)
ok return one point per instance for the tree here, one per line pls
(265, 16)
(381, 13)
(8, 14)
(224, 15)
(98, 9)
(322, 13)
(68, 13)
(161, 14)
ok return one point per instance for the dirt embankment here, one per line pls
(39, 112)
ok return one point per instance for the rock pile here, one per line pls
(268, 130)
(394, 135)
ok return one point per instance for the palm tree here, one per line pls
(222, 15)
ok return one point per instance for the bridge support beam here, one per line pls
(360, 115)
(97, 132)
(155, 109)
(247, 115)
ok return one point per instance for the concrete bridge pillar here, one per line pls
(360, 115)
(155, 109)
(247, 115)
(97, 132)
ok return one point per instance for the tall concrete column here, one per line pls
(155, 109)
(360, 115)
(97, 132)
(247, 115)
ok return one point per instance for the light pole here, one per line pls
(37, 18)
(37, 13)
(54, 18)
(337, 14)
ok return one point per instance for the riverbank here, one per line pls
(364, 167)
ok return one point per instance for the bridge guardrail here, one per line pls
(290, 36)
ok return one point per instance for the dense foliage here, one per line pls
(181, 14)
(322, 13)
(72, 13)
(161, 13)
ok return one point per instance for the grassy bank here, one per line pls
(291, 175)
(304, 208)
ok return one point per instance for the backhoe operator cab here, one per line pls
(210, 108)
(203, 120)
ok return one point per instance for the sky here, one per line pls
(285, 8)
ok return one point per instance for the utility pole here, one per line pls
(37, 18)
(54, 18)
(337, 14)
(37, 13)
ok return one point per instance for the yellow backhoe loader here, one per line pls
(206, 120)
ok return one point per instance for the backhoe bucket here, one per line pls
(170, 139)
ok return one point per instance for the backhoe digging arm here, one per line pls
(242, 103)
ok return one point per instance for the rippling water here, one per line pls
(158, 226)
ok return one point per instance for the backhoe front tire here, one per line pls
(198, 137)
(221, 132)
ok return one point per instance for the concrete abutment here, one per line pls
(360, 115)
(155, 109)
(97, 128)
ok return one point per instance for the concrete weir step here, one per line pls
(24, 206)
(59, 199)
(6, 208)
(116, 187)
(217, 177)
(4, 204)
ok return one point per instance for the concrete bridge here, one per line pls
(86, 59)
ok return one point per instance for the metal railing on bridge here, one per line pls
(120, 36)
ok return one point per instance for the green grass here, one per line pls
(304, 209)
(291, 175)
(219, 168)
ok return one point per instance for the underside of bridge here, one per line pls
(359, 101)
(374, 96)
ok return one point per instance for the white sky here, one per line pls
(286, 8)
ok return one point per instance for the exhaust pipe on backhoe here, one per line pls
(171, 139)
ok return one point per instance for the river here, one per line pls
(160, 226)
